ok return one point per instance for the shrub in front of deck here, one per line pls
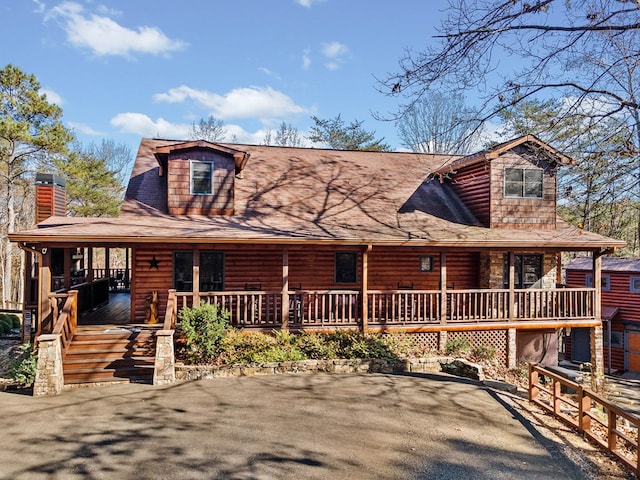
(483, 352)
(23, 368)
(256, 347)
(457, 346)
(317, 346)
(203, 328)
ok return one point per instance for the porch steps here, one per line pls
(110, 354)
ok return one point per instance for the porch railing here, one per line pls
(65, 317)
(320, 308)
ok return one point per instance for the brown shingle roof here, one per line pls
(296, 195)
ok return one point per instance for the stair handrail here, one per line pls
(67, 320)
(172, 311)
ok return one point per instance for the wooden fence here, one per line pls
(598, 419)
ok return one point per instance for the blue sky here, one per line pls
(128, 69)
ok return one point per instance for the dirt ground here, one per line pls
(590, 459)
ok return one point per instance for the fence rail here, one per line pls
(603, 422)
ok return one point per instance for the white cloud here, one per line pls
(85, 129)
(334, 49)
(40, 6)
(306, 60)
(103, 36)
(335, 53)
(307, 3)
(52, 97)
(141, 124)
(249, 102)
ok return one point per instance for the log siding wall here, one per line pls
(619, 296)
(309, 269)
(473, 186)
(180, 201)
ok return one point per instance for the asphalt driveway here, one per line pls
(323, 426)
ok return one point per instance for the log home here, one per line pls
(439, 246)
(620, 312)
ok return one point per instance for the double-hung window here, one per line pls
(523, 182)
(201, 177)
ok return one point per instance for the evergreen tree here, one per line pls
(335, 134)
(30, 128)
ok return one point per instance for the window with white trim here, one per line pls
(523, 182)
(634, 284)
(201, 177)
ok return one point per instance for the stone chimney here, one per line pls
(51, 196)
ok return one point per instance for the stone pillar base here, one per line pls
(49, 375)
(442, 340)
(164, 372)
(512, 348)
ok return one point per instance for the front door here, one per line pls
(528, 270)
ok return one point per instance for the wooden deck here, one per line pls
(116, 312)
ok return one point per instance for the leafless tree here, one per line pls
(210, 129)
(438, 123)
(286, 136)
(512, 50)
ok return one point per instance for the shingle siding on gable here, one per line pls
(182, 202)
(522, 212)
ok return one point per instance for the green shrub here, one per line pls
(317, 345)
(5, 324)
(238, 347)
(457, 346)
(203, 328)
(483, 352)
(15, 320)
(23, 368)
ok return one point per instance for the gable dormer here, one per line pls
(511, 185)
(200, 177)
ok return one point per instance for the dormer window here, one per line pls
(523, 182)
(201, 177)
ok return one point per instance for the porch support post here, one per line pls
(67, 268)
(512, 286)
(285, 290)
(196, 277)
(364, 304)
(442, 335)
(90, 264)
(597, 350)
(107, 262)
(44, 290)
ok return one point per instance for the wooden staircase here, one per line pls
(111, 353)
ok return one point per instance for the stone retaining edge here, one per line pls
(454, 366)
